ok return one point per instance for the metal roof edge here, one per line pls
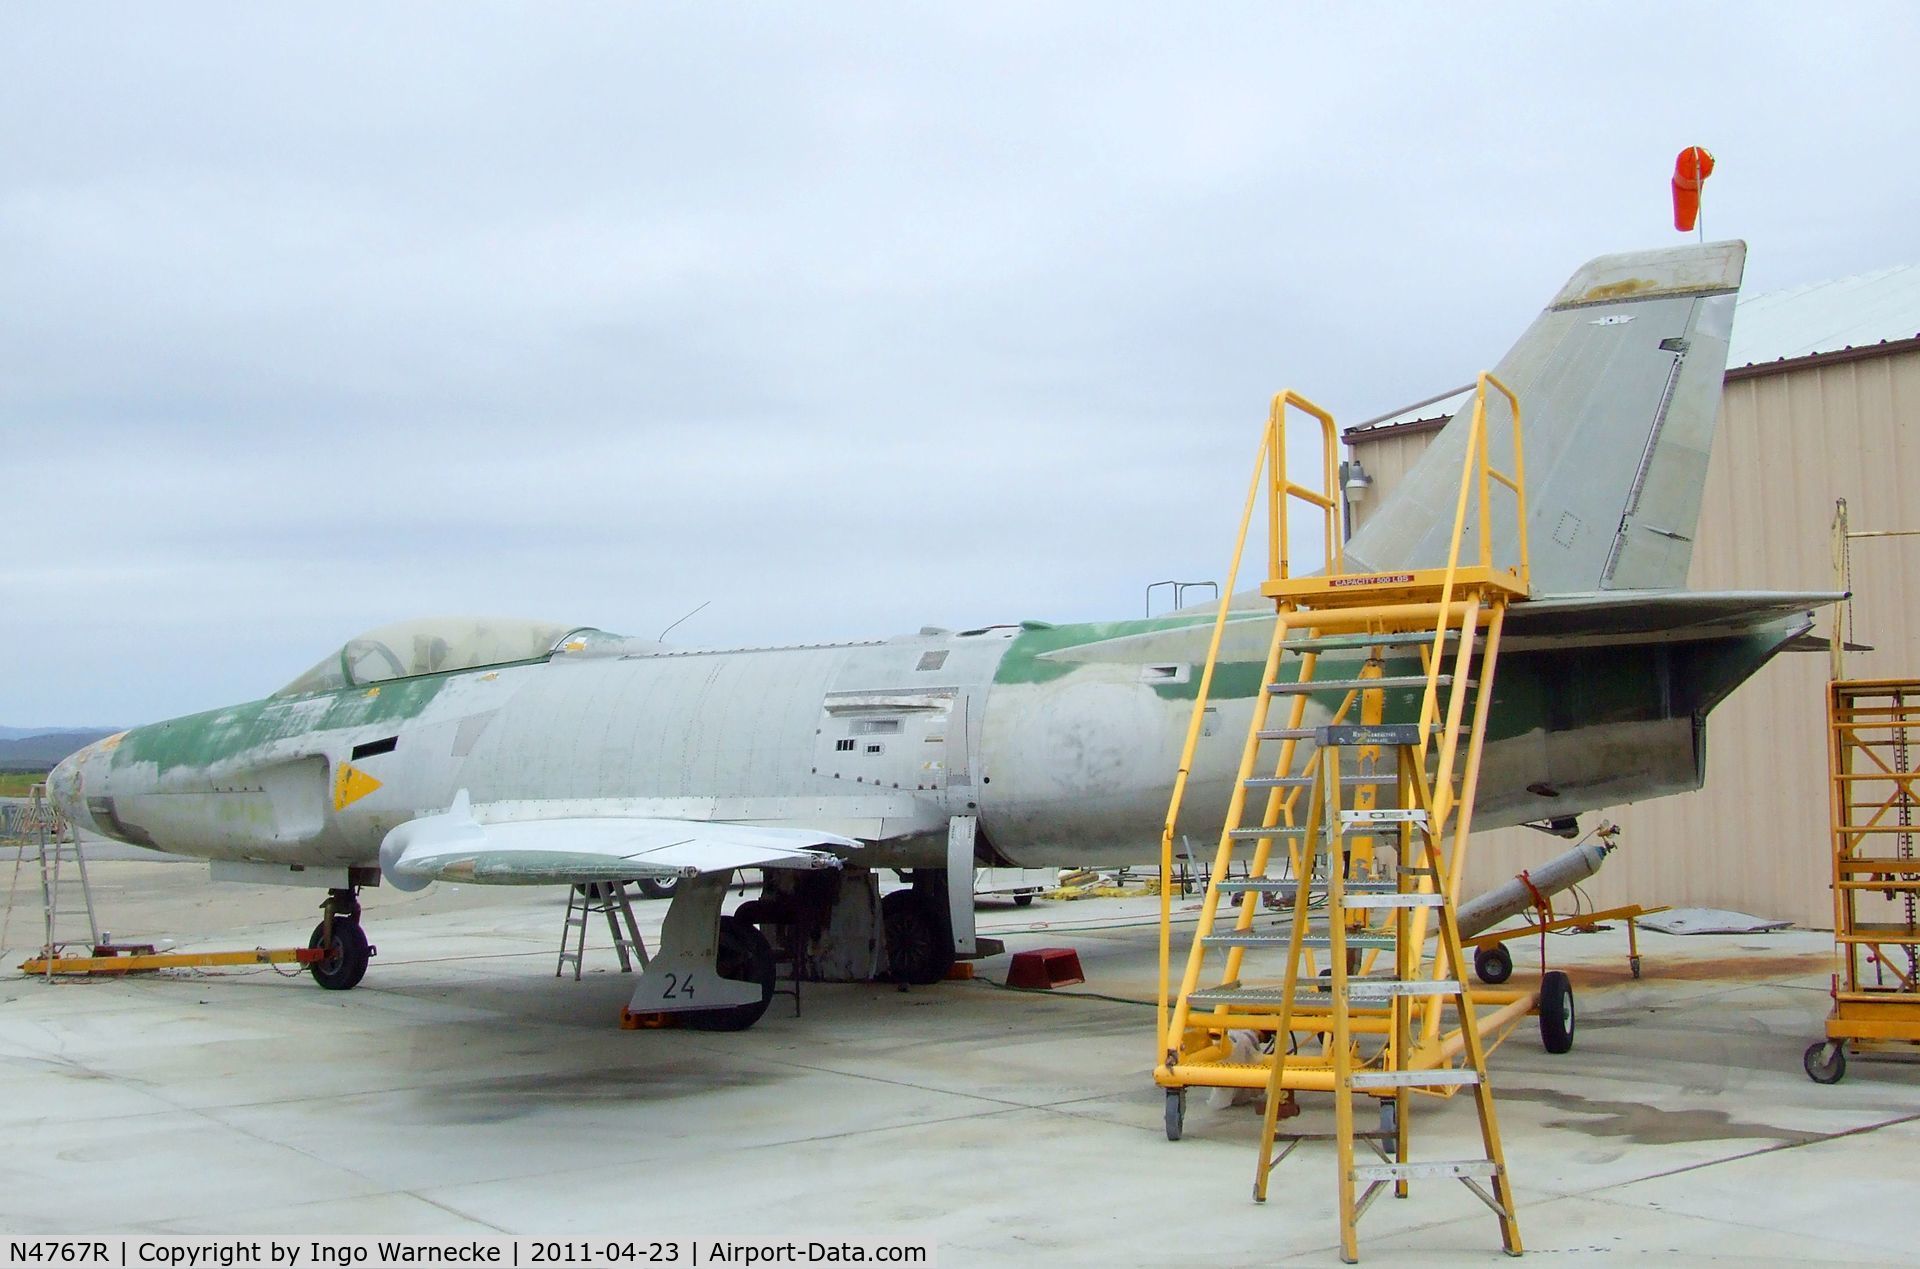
(1885, 348)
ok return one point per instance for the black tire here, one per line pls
(919, 950)
(1556, 1012)
(655, 889)
(1023, 901)
(744, 956)
(1493, 964)
(347, 953)
(1826, 1061)
(1176, 1113)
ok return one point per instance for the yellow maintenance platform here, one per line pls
(1361, 837)
(1873, 766)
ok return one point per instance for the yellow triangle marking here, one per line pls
(350, 784)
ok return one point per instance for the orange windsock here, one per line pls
(1690, 171)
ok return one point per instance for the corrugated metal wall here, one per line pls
(1789, 444)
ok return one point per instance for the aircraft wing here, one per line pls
(453, 846)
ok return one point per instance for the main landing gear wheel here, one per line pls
(347, 953)
(653, 888)
(1176, 1113)
(1493, 964)
(1556, 1012)
(1826, 1061)
(745, 956)
(919, 949)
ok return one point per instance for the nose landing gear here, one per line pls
(339, 935)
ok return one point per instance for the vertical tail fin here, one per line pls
(1619, 387)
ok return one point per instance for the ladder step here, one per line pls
(1282, 938)
(1385, 815)
(1389, 682)
(1313, 733)
(1286, 885)
(1278, 830)
(1355, 942)
(1311, 995)
(1409, 900)
(1247, 938)
(1382, 988)
(1415, 1079)
(1420, 1171)
(1303, 781)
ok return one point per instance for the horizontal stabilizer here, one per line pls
(454, 846)
(1672, 615)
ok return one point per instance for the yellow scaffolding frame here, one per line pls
(1873, 767)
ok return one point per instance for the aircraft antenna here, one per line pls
(669, 629)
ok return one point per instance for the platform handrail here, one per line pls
(1476, 473)
(1285, 490)
(1196, 721)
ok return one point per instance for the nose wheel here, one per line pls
(343, 944)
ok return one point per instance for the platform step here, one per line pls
(1387, 682)
(1287, 733)
(1278, 830)
(1254, 997)
(1398, 639)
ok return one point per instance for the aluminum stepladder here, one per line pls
(588, 899)
(63, 868)
(1390, 916)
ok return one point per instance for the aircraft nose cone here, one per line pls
(63, 790)
(78, 777)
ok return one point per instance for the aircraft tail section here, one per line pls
(1619, 387)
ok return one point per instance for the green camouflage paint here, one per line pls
(202, 740)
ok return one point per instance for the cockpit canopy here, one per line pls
(436, 645)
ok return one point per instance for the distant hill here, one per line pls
(27, 749)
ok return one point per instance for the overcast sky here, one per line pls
(847, 319)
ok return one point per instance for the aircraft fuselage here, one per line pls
(1062, 739)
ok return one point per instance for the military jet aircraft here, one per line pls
(551, 753)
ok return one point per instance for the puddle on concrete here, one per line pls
(512, 1097)
(1649, 1125)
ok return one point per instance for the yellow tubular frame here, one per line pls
(1271, 461)
(1464, 614)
